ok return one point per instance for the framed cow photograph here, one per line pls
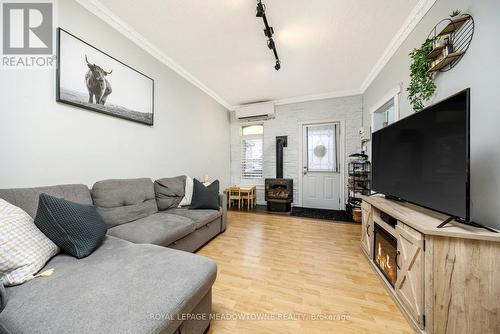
(90, 78)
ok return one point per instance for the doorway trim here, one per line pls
(341, 158)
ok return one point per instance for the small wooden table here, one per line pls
(248, 193)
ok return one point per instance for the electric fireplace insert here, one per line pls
(385, 254)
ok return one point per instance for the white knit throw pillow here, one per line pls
(188, 192)
(24, 249)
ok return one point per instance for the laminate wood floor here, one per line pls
(300, 270)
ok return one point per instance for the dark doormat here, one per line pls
(338, 215)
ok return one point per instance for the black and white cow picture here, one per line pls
(83, 81)
(97, 83)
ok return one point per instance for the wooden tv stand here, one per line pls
(448, 279)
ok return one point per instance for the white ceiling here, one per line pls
(326, 47)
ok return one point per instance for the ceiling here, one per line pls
(327, 47)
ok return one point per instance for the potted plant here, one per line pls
(422, 86)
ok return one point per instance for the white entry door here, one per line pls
(321, 179)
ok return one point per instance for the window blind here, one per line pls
(251, 157)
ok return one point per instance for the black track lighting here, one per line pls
(270, 44)
(261, 9)
(269, 32)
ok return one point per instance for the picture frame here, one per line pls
(90, 78)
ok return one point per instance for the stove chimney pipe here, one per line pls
(281, 142)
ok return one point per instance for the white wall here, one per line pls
(44, 143)
(479, 70)
(286, 123)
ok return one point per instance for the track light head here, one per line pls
(269, 32)
(270, 43)
(278, 65)
(261, 9)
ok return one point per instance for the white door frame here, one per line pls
(341, 158)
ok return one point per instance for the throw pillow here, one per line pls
(3, 297)
(205, 197)
(169, 192)
(77, 229)
(24, 248)
(188, 192)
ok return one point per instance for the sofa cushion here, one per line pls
(120, 288)
(24, 249)
(159, 229)
(77, 229)
(200, 217)
(169, 192)
(123, 201)
(27, 198)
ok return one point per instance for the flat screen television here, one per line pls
(424, 158)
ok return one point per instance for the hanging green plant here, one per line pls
(422, 85)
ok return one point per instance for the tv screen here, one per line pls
(424, 158)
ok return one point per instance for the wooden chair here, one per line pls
(245, 196)
(250, 195)
(234, 194)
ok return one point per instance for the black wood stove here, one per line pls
(279, 191)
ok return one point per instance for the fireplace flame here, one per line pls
(387, 263)
(379, 256)
(385, 256)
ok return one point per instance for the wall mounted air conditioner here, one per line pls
(255, 111)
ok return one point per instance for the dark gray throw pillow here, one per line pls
(205, 197)
(76, 228)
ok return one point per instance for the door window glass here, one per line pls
(322, 155)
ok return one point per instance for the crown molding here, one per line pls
(306, 98)
(315, 97)
(410, 23)
(101, 11)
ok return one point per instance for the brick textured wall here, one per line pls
(286, 123)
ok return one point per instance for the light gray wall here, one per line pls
(286, 123)
(479, 70)
(43, 142)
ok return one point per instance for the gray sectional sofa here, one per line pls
(137, 281)
(130, 210)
